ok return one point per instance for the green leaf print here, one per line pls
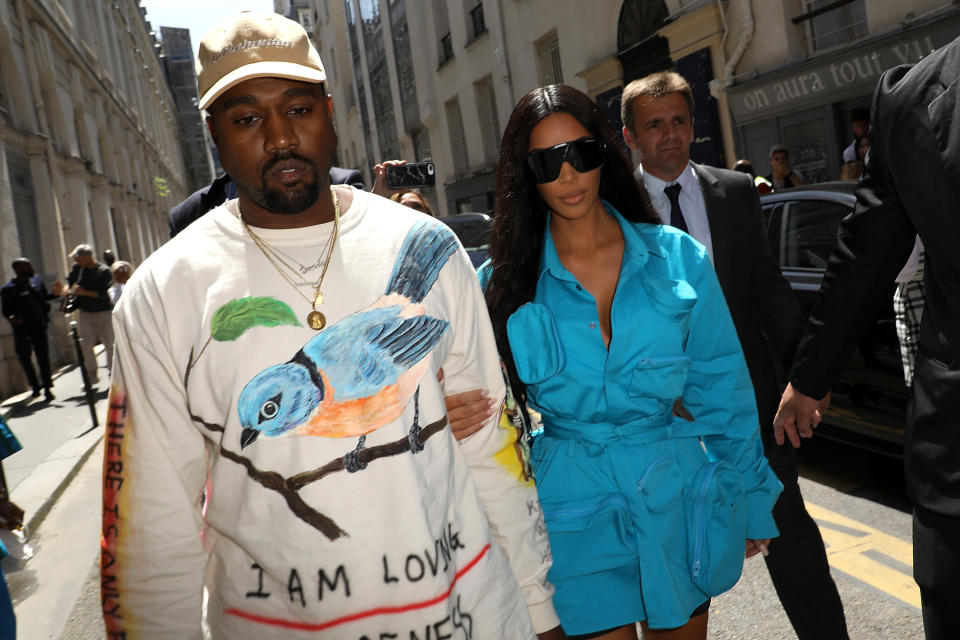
(231, 320)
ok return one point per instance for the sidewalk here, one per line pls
(57, 437)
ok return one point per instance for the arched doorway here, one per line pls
(640, 50)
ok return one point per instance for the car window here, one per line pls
(772, 213)
(807, 231)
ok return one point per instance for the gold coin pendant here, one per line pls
(316, 320)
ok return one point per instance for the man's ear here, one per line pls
(631, 141)
(212, 129)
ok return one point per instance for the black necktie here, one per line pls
(676, 215)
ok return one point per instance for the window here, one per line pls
(486, 101)
(477, 24)
(305, 18)
(332, 66)
(548, 60)
(442, 24)
(446, 48)
(403, 57)
(805, 231)
(421, 145)
(834, 27)
(458, 139)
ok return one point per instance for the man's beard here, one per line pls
(286, 201)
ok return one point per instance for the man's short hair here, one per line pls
(860, 115)
(81, 250)
(777, 148)
(254, 44)
(18, 262)
(655, 85)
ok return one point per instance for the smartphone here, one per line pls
(411, 175)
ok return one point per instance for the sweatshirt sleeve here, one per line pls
(719, 392)
(153, 557)
(497, 454)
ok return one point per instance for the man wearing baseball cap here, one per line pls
(278, 460)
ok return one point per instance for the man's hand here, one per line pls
(380, 178)
(797, 416)
(57, 288)
(554, 634)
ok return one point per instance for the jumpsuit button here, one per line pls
(593, 325)
(579, 288)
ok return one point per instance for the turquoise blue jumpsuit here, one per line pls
(647, 513)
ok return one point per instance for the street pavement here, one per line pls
(57, 437)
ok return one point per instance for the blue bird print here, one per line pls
(358, 374)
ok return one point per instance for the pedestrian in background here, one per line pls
(910, 187)
(782, 175)
(604, 318)
(414, 200)
(121, 270)
(860, 124)
(25, 304)
(90, 282)
(721, 209)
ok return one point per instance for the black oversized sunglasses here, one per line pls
(584, 154)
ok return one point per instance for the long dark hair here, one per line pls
(516, 240)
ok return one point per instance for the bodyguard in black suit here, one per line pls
(721, 209)
(911, 185)
(223, 189)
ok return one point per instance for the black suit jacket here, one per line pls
(764, 309)
(911, 185)
(223, 189)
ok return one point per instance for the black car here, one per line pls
(870, 398)
(473, 230)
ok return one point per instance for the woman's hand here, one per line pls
(380, 187)
(756, 546)
(468, 412)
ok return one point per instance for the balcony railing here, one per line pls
(477, 20)
(446, 49)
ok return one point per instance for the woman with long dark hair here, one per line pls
(610, 324)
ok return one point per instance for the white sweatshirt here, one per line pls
(240, 498)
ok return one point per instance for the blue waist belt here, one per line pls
(653, 428)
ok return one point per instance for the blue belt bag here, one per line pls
(717, 527)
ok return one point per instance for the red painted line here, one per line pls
(353, 617)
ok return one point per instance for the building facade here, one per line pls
(176, 55)
(89, 143)
(437, 79)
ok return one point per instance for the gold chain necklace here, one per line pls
(315, 319)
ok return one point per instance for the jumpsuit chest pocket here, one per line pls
(535, 343)
(673, 298)
(661, 378)
(717, 527)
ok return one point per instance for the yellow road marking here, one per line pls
(846, 553)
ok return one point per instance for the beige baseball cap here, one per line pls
(254, 44)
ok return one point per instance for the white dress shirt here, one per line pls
(691, 203)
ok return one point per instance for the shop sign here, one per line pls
(847, 73)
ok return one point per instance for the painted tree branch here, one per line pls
(289, 487)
